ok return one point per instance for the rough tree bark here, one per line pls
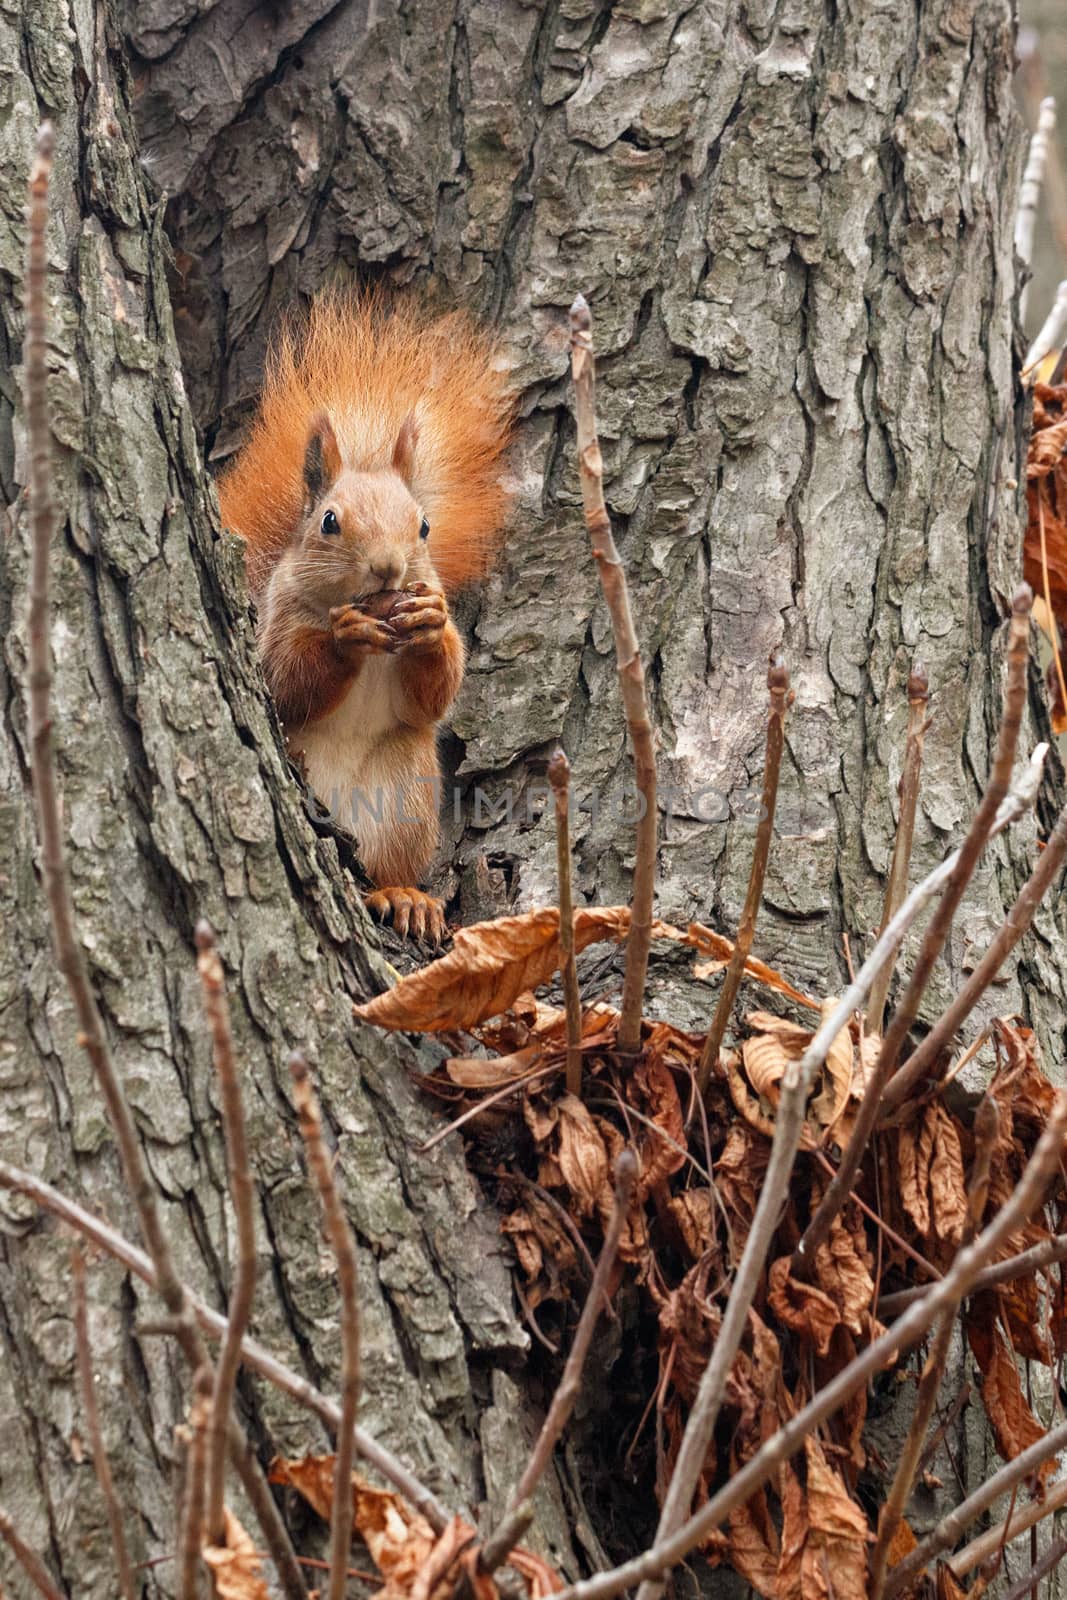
(794, 223)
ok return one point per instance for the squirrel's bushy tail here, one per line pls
(370, 364)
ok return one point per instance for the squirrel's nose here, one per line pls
(389, 569)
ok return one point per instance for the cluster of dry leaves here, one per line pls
(550, 1156)
(413, 1561)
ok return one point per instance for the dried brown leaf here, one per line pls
(489, 966)
(235, 1567)
(802, 1306)
(843, 1265)
(824, 1535)
(695, 1214)
(1014, 1425)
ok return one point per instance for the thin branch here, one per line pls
(941, 1298)
(781, 700)
(1030, 190)
(1045, 1254)
(559, 776)
(28, 1560)
(897, 887)
(1047, 1563)
(788, 1127)
(101, 1463)
(981, 830)
(631, 674)
(191, 1539)
(503, 1093)
(1053, 332)
(1021, 1520)
(214, 1324)
(501, 1543)
(217, 1011)
(567, 1390)
(70, 957)
(1012, 929)
(986, 1124)
(344, 1249)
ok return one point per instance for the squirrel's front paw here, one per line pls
(356, 634)
(419, 619)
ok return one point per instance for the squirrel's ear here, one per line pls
(322, 458)
(404, 449)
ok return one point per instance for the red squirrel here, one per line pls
(368, 491)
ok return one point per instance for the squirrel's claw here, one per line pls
(419, 622)
(412, 913)
(356, 633)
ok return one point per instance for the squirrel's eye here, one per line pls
(424, 529)
(330, 524)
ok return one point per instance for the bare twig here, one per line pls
(217, 1011)
(788, 1127)
(101, 1463)
(1020, 1521)
(897, 887)
(939, 1299)
(1044, 1565)
(1052, 334)
(28, 1559)
(781, 700)
(559, 775)
(631, 674)
(501, 1543)
(1030, 190)
(1045, 1254)
(966, 858)
(1015, 924)
(70, 957)
(192, 1538)
(344, 1249)
(986, 1124)
(213, 1323)
(567, 1390)
(503, 1093)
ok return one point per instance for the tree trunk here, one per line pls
(794, 225)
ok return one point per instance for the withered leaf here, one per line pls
(720, 949)
(843, 1268)
(824, 1535)
(695, 1214)
(235, 1568)
(802, 1306)
(489, 966)
(1014, 1425)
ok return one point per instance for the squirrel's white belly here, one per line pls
(358, 763)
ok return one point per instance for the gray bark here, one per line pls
(794, 224)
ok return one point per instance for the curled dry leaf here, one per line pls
(774, 1043)
(843, 1265)
(489, 966)
(235, 1567)
(824, 1535)
(1014, 1425)
(804, 1307)
(933, 1185)
(696, 1216)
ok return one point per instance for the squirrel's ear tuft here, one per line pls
(404, 449)
(322, 458)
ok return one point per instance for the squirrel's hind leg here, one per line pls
(411, 911)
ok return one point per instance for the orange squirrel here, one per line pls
(367, 493)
